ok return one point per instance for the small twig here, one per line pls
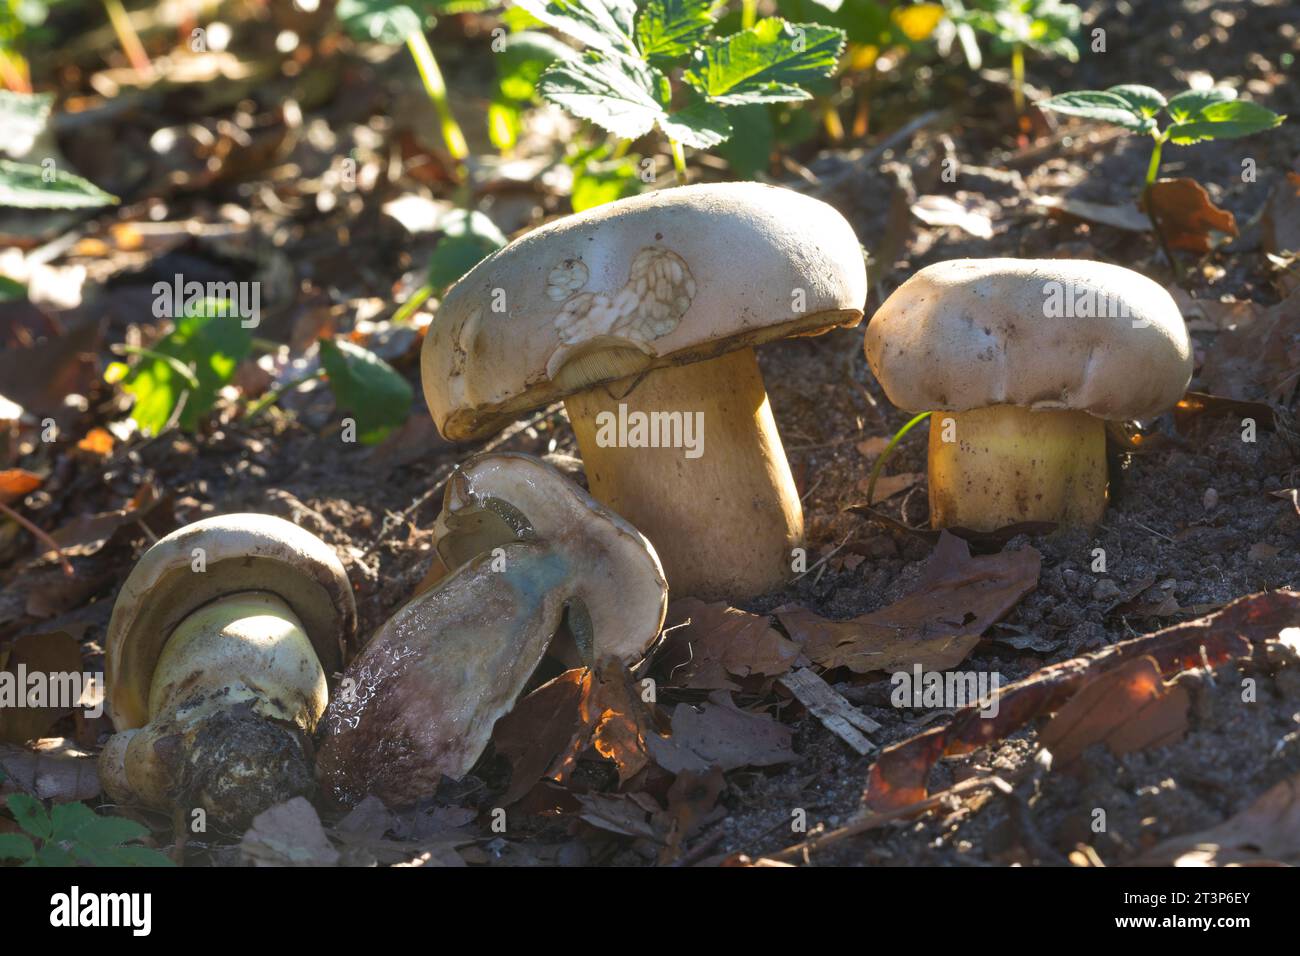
(826, 557)
(870, 820)
(41, 536)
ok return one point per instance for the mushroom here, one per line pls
(530, 551)
(218, 650)
(642, 315)
(1029, 357)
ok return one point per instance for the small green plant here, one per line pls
(394, 21)
(661, 67)
(71, 834)
(1044, 26)
(879, 34)
(1195, 115)
(177, 382)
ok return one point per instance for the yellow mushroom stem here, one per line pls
(233, 682)
(718, 503)
(998, 466)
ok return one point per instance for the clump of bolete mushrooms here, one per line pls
(1023, 361)
(217, 654)
(642, 316)
(530, 552)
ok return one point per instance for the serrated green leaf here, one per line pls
(51, 854)
(30, 186)
(1187, 104)
(749, 149)
(14, 846)
(384, 21)
(619, 93)
(76, 822)
(1098, 105)
(865, 22)
(598, 182)
(522, 61)
(67, 820)
(597, 24)
(1142, 100)
(30, 814)
(701, 125)
(366, 386)
(1231, 119)
(135, 856)
(668, 29)
(468, 238)
(766, 63)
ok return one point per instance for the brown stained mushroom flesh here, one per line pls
(529, 552)
(642, 316)
(1023, 361)
(217, 655)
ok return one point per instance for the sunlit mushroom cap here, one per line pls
(1039, 333)
(667, 277)
(237, 552)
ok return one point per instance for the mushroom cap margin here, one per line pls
(677, 275)
(242, 552)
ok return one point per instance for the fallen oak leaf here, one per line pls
(937, 626)
(1185, 214)
(899, 776)
(692, 805)
(44, 657)
(710, 646)
(1258, 360)
(620, 719)
(1266, 832)
(17, 483)
(288, 834)
(543, 736)
(889, 485)
(719, 734)
(1128, 708)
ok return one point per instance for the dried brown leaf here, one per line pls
(937, 626)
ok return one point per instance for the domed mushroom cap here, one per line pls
(1039, 333)
(496, 497)
(239, 552)
(668, 277)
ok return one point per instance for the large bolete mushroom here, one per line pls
(216, 663)
(530, 551)
(1026, 359)
(643, 315)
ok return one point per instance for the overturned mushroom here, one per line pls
(642, 315)
(1027, 359)
(530, 551)
(216, 663)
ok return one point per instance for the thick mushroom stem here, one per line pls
(719, 503)
(998, 466)
(235, 693)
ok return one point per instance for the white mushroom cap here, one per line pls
(669, 277)
(1039, 333)
(616, 571)
(240, 552)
